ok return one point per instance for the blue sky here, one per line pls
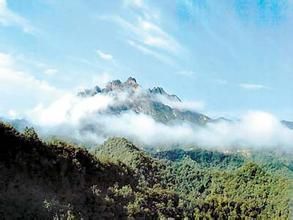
(233, 56)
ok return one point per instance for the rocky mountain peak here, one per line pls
(90, 92)
(131, 82)
(161, 91)
(155, 102)
(158, 90)
(113, 85)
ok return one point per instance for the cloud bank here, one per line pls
(88, 119)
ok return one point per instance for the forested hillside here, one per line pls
(117, 180)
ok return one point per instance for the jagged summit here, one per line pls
(116, 85)
(129, 85)
(131, 82)
(155, 102)
(158, 90)
(161, 91)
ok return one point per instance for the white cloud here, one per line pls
(146, 32)
(19, 89)
(141, 8)
(148, 38)
(9, 18)
(12, 114)
(250, 86)
(136, 3)
(154, 36)
(134, 127)
(9, 75)
(90, 120)
(104, 56)
(5, 60)
(50, 71)
(255, 129)
(147, 51)
(86, 119)
(69, 109)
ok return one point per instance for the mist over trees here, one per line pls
(117, 180)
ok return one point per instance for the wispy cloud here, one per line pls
(154, 36)
(104, 56)
(136, 3)
(145, 50)
(250, 86)
(16, 84)
(10, 18)
(145, 31)
(140, 7)
(11, 77)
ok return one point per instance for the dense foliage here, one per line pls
(204, 158)
(117, 180)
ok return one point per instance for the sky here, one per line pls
(233, 56)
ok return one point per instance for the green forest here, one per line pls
(53, 179)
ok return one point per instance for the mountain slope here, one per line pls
(148, 169)
(56, 180)
(204, 158)
(60, 181)
(42, 181)
(229, 186)
(288, 124)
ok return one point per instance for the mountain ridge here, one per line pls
(155, 102)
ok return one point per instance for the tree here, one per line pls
(31, 134)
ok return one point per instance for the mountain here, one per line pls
(117, 180)
(57, 180)
(155, 102)
(120, 149)
(221, 120)
(205, 158)
(19, 124)
(288, 124)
